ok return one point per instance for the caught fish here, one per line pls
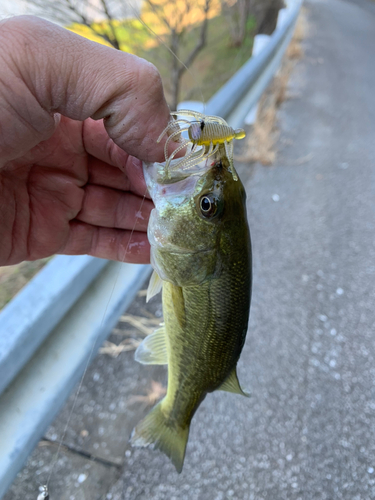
(201, 255)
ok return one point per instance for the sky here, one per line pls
(122, 8)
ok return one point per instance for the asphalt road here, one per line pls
(308, 431)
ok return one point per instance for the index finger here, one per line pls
(104, 152)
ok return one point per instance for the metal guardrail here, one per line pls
(52, 328)
(28, 320)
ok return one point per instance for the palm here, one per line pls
(68, 195)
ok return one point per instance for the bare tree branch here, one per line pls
(158, 10)
(68, 12)
(201, 42)
(115, 42)
(172, 19)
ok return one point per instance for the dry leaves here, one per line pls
(145, 326)
(262, 139)
(156, 391)
(114, 350)
(141, 323)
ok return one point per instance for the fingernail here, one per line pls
(137, 163)
(57, 118)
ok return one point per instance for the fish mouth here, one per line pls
(171, 248)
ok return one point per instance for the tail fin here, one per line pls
(157, 432)
(239, 133)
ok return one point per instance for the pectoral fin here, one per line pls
(155, 285)
(153, 349)
(231, 384)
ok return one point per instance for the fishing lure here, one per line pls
(209, 132)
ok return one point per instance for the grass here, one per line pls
(132, 34)
(13, 278)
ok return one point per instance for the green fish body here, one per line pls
(201, 250)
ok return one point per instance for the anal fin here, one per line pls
(231, 384)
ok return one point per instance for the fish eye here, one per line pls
(208, 205)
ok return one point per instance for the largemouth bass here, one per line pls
(201, 254)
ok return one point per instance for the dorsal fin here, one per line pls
(231, 384)
(153, 349)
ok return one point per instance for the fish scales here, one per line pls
(201, 250)
(201, 362)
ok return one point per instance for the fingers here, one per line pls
(57, 71)
(98, 144)
(114, 209)
(113, 244)
(112, 224)
(102, 174)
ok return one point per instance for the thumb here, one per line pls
(67, 74)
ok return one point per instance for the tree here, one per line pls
(265, 13)
(237, 13)
(175, 19)
(169, 20)
(99, 18)
(240, 12)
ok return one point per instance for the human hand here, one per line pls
(70, 184)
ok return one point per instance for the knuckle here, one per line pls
(151, 78)
(11, 35)
(20, 28)
(21, 40)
